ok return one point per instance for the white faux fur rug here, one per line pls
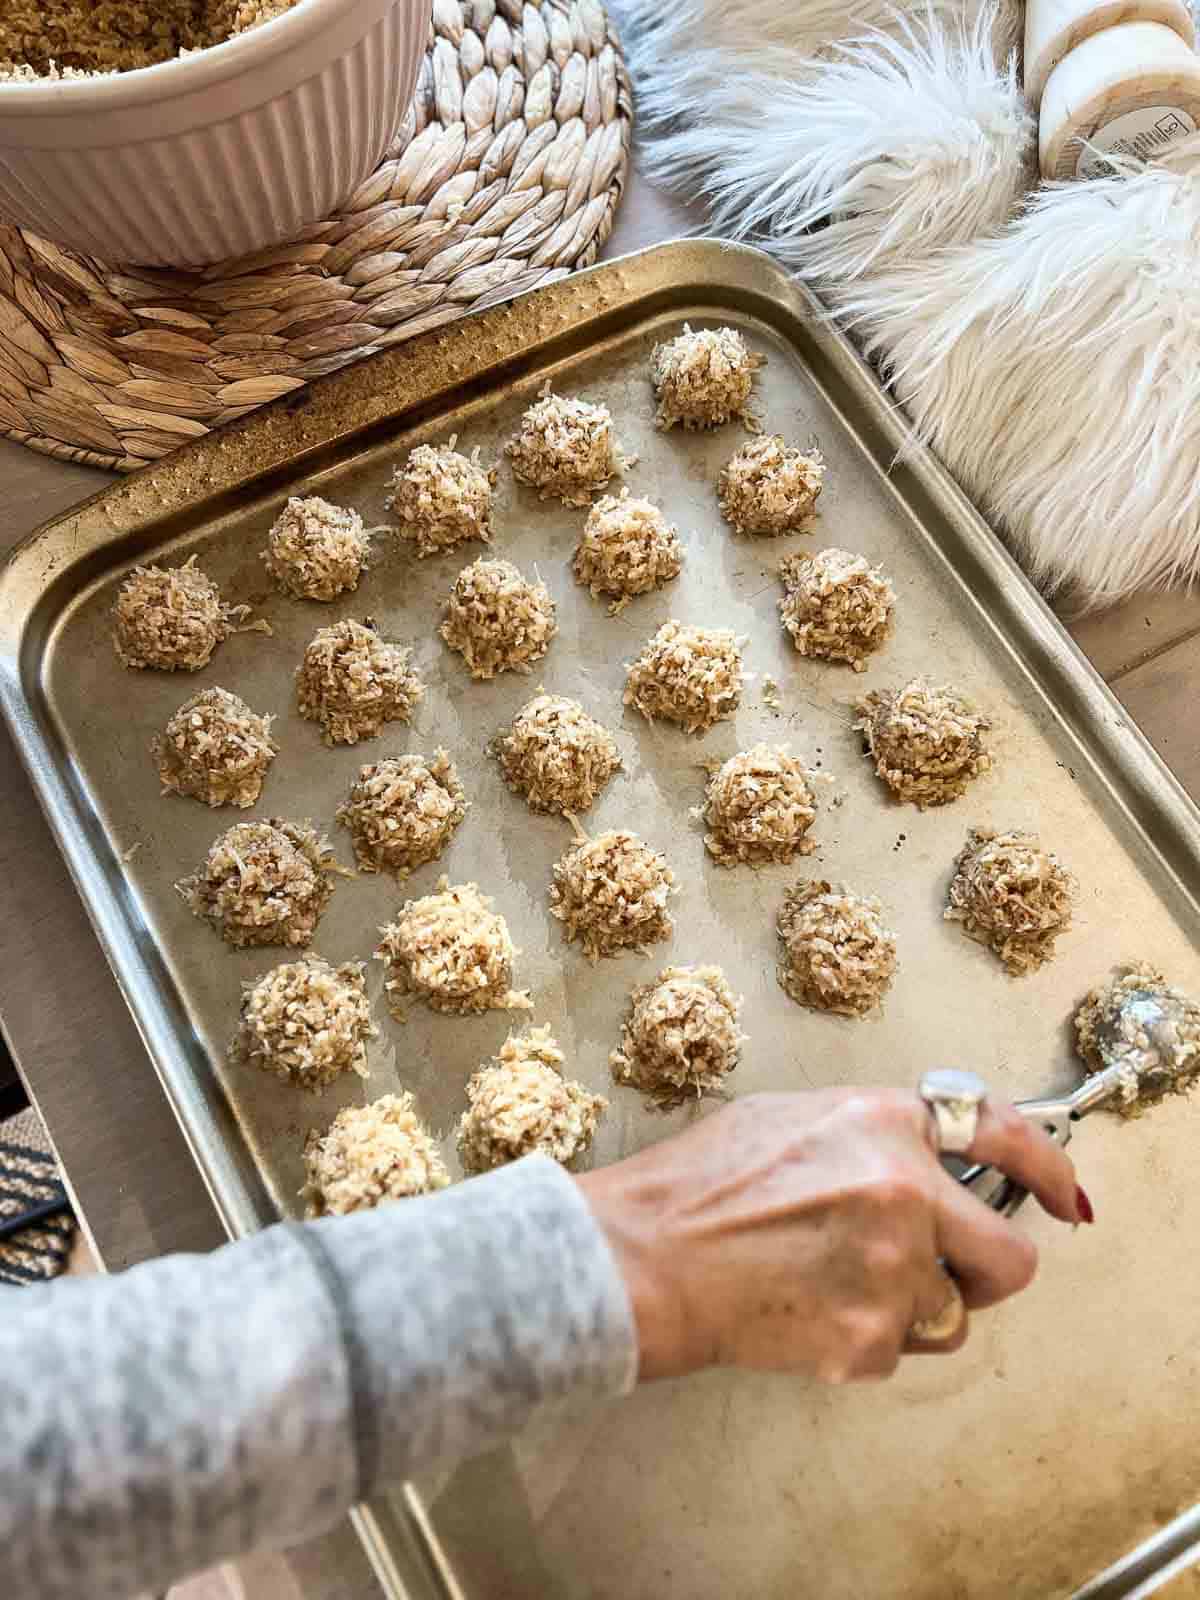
(1045, 341)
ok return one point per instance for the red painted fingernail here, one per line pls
(1084, 1206)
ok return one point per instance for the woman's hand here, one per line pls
(804, 1232)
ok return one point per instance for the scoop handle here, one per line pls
(1055, 1115)
(994, 1188)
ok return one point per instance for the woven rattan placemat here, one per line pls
(506, 173)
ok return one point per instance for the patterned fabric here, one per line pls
(203, 1406)
(30, 1185)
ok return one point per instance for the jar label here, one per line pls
(1142, 134)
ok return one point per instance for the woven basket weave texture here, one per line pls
(506, 174)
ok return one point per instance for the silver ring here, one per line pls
(954, 1098)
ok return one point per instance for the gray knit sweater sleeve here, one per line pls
(200, 1406)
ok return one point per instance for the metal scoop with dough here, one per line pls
(1147, 1043)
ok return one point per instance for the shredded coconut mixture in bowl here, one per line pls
(611, 892)
(519, 1104)
(402, 812)
(497, 620)
(704, 379)
(837, 953)
(263, 883)
(1012, 895)
(681, 1038)
(759, 807)
(565, 447)
(307, 1022)
(770, 488)
(215, 749)
(689, 675)
(453, 952)
(316, 550)
(555, 756)
(442, 498)
(371, 1154)
(836, 606)
(1110, 1031)
(628, 548)
(926, 740)
(171, 619)
(351, 682)
(80, 38)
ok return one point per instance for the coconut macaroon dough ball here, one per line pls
(837, 953)
(555, 756)
(215, 749)
(611, 894)
(402, 812)
(519, 1104)
(1146, 1028)
(453, 952)
(628, 548)
(497, 620)
(307, 1022)
(263, 883)
(681, 1038)
(836, 606)
(171, 619)
(442, 498)
(703, 379)
(926, 740)
(316, 550)
(351, 682)
(692, 676)
(759, 807)
(565, 447)
(1011, 894)
(370, 1154)
(769, 487)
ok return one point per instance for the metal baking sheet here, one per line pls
(1065, 1432)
